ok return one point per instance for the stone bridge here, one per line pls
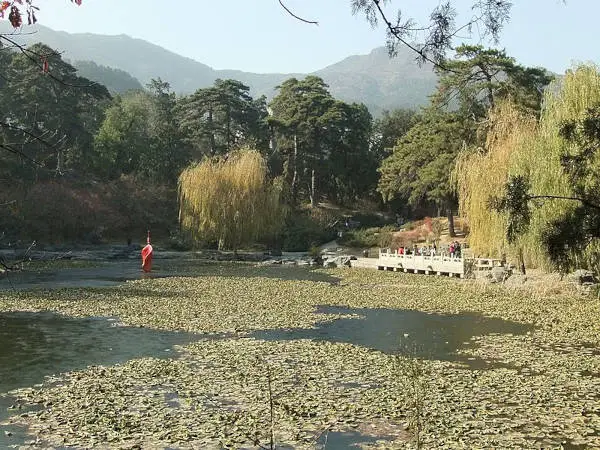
(439, 264)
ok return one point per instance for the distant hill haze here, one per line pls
(374, 79)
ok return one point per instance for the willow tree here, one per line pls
(547, 155)
(481, 173)
(230, 200)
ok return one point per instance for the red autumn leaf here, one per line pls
(15, 17)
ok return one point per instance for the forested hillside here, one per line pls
(80, 163)
(112, 162)
(116, 81)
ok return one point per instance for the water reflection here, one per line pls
(421, 334)
(117, 272)
(34, 345)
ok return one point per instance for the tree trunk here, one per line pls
(59, 163)
(521, 262)
(272, 141)
(228, 129)
(450, 213)
(212, 132)
(295, 171)
(313, 190)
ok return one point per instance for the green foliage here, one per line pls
(124, 136)
(59, 118)
(478, 78)
(515, 203)
(140, 136)
(304, 230)
(438, 36)
(368, 237)
(558, 165)
(314, 251)
(316, 134)
(223, 118)
(420, 166)
(230, 200)
(482, 175)
(419, 170)
(389, 128)
(116, 81)
(569, 235)
(373, 79)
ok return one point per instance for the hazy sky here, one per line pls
(259, 36)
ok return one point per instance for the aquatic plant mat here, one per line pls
(307, 358)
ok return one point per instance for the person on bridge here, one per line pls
(457, 249)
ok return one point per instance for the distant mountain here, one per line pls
(116, 80)
(381, 82)
(373, 79)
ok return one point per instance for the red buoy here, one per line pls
(147, 255)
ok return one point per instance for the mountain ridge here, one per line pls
(374, 79)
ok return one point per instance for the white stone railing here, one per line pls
(439, 264)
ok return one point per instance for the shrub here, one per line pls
(370, 237)
(370, 220)
(306, 229)
(87, 211)
(53, 212)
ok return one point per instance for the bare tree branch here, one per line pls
(36, 57)
(583, 201)
(397, 31)
(21, 154)
(435, 39)
(29, 134)
(296, 16)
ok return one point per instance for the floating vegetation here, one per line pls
(231, 388)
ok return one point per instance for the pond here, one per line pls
(412, 333)
(34, 346)
(107, 274)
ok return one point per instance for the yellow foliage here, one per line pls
(517, 144)
(230, 200)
